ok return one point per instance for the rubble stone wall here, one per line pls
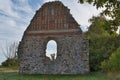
(72, 47)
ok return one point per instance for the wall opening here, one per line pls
(51, 49)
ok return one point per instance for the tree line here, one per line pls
(104, 42)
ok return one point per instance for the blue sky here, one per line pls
(15, 16)
(51, 48)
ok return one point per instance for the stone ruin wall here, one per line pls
(53, 21)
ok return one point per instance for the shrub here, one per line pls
(113, 64)
(10, 63)
(100, 49)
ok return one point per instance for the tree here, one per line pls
(112, 9)
(113, 64)
(101, 43)
(103, 23)
(10, 50)
(99, 26)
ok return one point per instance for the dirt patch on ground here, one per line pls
(114, 74)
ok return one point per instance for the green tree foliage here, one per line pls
(99, 27)
(113, 64)
(101, 34)
(101, 43)
(103, 23)
(112, 9)
(101, 49)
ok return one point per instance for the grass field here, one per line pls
(90, 76)
(8, 68)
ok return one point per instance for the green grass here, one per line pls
(4, 69)
(90, 76)
(8, 68)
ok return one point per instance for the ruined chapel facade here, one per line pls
(53, 21)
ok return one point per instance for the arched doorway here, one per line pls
(51, 49)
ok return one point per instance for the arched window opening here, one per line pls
(51, 49)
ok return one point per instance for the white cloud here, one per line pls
(14, 18)
(48, 0)
(10, 29)
(15, 15)
(2, 58)
(23, 5)
(20, 13)
(6, 8)
(81, 12)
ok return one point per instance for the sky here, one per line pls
(15, 16)
(51, 48)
